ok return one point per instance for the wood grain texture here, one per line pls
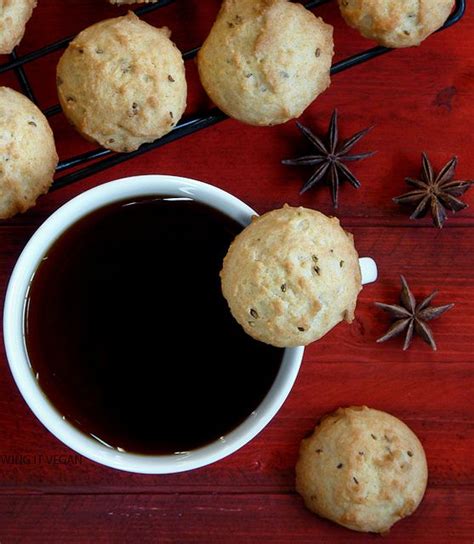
(419, 99)
(226, 518)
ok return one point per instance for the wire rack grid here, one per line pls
(97, 160)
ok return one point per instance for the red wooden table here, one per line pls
(420, 99)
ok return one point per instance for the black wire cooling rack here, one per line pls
(100, 159)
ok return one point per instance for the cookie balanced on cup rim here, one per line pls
(121, 83)
(291, 276)
(265, 61)
(396, 23)
(362, 468)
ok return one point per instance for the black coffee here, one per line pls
(130, 335)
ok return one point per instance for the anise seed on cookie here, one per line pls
(121, 83)
(265, 61)
(362, 468)
(28, 155)
(291, 276)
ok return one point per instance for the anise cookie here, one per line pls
(28, 155)
(121, 83)
(14, 14)
(265, 61)
(363, 469)
(291, 276)
(396, 23)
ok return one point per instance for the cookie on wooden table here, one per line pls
(121, 83)
(14, 14)
(265, 61)
(291, 276)
(396, 23)
(363, 469)
(28, 155)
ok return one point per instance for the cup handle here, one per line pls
(368, 269)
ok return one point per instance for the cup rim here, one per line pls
(14, 334)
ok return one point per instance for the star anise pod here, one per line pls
(412, 317)
(435, 192)
(329, 157)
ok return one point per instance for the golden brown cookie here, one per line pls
(14, 14)
(396, 23)
(28, 155)
(363, 469)
(121, 83)
(265, 61)
(291, 276)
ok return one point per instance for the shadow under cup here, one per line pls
(130, 355)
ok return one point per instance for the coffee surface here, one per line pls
(130, 336)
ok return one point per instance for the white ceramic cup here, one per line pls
(13, 328)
